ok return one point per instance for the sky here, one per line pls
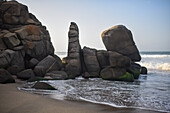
(148, 20)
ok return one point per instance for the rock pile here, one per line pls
(26, 51)
(25, 44)
(117, 63)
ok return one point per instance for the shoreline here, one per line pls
(16, 101)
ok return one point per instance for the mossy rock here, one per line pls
(127, 77)
(43, 85)
(135, 73)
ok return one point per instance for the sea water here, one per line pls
(151, 91)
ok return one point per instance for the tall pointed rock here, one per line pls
(73, 66)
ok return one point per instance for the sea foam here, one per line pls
(159, 66)
(155, 56)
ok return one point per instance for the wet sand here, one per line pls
(14, 101)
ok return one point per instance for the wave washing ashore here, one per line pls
(150, 92)
(27, 53)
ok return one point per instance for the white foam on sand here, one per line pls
(114, 105)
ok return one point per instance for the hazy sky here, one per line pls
(149, 20)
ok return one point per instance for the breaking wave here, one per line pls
(159, 66)
(155, 56)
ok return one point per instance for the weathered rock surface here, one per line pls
(119, 39)
(26, 74)
(24, 41)
(73, 61)
(26, 48)
(48, 64)
(14, 69)
(91, 61)
(2, 44)
(134, 69)
(103, 58)
(5, 77)
(36, 41)
(32, 63)
(111, 58)
(6, 57)
(43, 85)
(11, 40)
(119, 74)
(14, 13)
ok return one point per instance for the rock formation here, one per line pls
(26, 49)
(73, 60)
(119, 39)
(91, 62)
(117, 63)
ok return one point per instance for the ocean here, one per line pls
(150, 92)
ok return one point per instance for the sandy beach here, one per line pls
(15, 101)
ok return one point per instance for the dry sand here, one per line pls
(14, 101)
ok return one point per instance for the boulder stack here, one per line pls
(26, 49)
(117, 63)
(73, 59)
(120, 56)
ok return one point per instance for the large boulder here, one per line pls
(111, 58)
(18, 59)
(36, 41)
(32, 63)
(11, 40)
(103, 58)
(9, 58)
(6, 57)
(118, 74)
(91, 62)
(49, 63)
(73, 61)
(119, 39)
(5, 77)
(26, 74)
(118, 60)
